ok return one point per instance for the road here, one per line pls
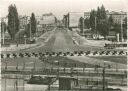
(58, 42)
(61, 41)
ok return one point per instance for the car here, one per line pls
(32, 41)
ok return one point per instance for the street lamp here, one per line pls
(3, 30)
(122, 39)
(30, 28)
(83, 25)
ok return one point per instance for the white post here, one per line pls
(25, 41)
(117, 37)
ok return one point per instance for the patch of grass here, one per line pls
(117, 59)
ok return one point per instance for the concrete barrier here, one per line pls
(86, 53)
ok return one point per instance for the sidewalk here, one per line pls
(40, 42)
(83, 41)
(45, 37)
(20, 47)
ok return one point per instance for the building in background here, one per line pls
(117, 16)
(86, 15)
(23, 20)
(71, 20)
(112, 36)
(48, 20)
(74, 19)
(5, 37)
(4, 19)
(38, 23)
(119, 19)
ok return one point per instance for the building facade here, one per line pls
(23, 20)
(48, 19)
(86, 15)
(118, 17)
(72, 19)
(4, 19)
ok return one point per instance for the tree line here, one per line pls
(13, 26)
(101, 24)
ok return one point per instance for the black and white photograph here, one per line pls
(63, 45)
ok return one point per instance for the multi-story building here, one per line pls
(24, 20)
(38, 22)
(48, 20)
(117, 16)
(86, 15)
(5, 20)
(72, 19)
(5, 37)
(38, 19)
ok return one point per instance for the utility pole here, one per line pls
(30, 28)
(121, 29)
(83, 26)
(95, 25)
(3, 32)
(36, 29)
(14, 25)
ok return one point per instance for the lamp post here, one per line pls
(122, 39)
(2, 31)
(83, 26)
(96, 26)
(30, 28)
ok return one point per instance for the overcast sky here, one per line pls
(60, 7)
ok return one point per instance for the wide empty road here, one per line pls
(61, 41)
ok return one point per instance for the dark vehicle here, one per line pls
(40, 80)
(32, 41)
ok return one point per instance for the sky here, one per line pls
(60, 7)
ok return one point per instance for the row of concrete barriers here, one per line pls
(46, 54)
